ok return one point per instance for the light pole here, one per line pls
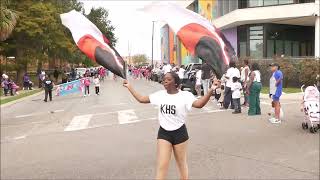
(10, 57)
(152, 43)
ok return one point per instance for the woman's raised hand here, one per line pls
(126, 83)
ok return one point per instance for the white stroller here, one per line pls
(311, 108)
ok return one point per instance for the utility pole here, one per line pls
(152, 43)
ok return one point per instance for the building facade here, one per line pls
(262, 29)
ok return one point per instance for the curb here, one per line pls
(21, 99)
(286, 96)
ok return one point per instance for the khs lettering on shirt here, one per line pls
(168, 109)
(172, 108)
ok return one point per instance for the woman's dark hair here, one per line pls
(232, 64)
(222, 87)
(255, 66)
(246, 61)
(176, 78)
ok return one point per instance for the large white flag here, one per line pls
(93, 43)
(196, 33)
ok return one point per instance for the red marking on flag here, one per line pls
(88, 44)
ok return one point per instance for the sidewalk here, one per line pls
(290, 96)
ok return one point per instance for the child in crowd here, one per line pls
(15, 88)
(96, 82)
(236, 88)
(221, 99)
(217, 91)
(86, 85)
(272, 114)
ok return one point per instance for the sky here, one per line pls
(133, 28)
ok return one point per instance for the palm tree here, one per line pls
(8, 21)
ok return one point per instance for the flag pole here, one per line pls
(152, 44)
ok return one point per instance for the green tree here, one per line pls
(40, 37)
(99, 17)
(139, 59)
(8, 20)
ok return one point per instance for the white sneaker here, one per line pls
(274, 121)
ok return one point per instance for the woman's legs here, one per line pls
(258, 110)
(164, 150)
(227, 98)
(180, 154)
(87, 90)
(252, 102)
(254, 99)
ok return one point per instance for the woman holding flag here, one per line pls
(173, 136)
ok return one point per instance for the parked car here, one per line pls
(189, 78)
(157, 75)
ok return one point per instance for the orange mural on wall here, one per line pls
(171, 47)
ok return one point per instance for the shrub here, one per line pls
(288, 69)
(309, 69)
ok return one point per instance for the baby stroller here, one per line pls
(311, 108)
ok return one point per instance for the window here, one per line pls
(256, 49)
(243, 49)
(219, 8)
(285, 1)
(270, 48)
(303, 49)
(255, 3)
(270, 2)
(279, 47)
(295, 48)
(256, 41)
(233, 4)
(287, 48)
(225, 6)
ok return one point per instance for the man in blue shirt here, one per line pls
(276, 90)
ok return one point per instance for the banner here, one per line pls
(70, 88)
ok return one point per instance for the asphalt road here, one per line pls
(111, 136)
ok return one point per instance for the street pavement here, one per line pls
(111, 136)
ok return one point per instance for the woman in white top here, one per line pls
(198, 82)
(172, 135)
(253, 90)
(245, 79)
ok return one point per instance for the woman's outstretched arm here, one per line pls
(135, 94)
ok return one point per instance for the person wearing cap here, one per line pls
(276, 90)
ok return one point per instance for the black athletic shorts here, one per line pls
(174, 137)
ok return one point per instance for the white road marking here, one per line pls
(35, 114)
(214, 111)
(127, 116)
(78, 123)
(27, 115)
(59, 110)
(206, 108)
(19, 137)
